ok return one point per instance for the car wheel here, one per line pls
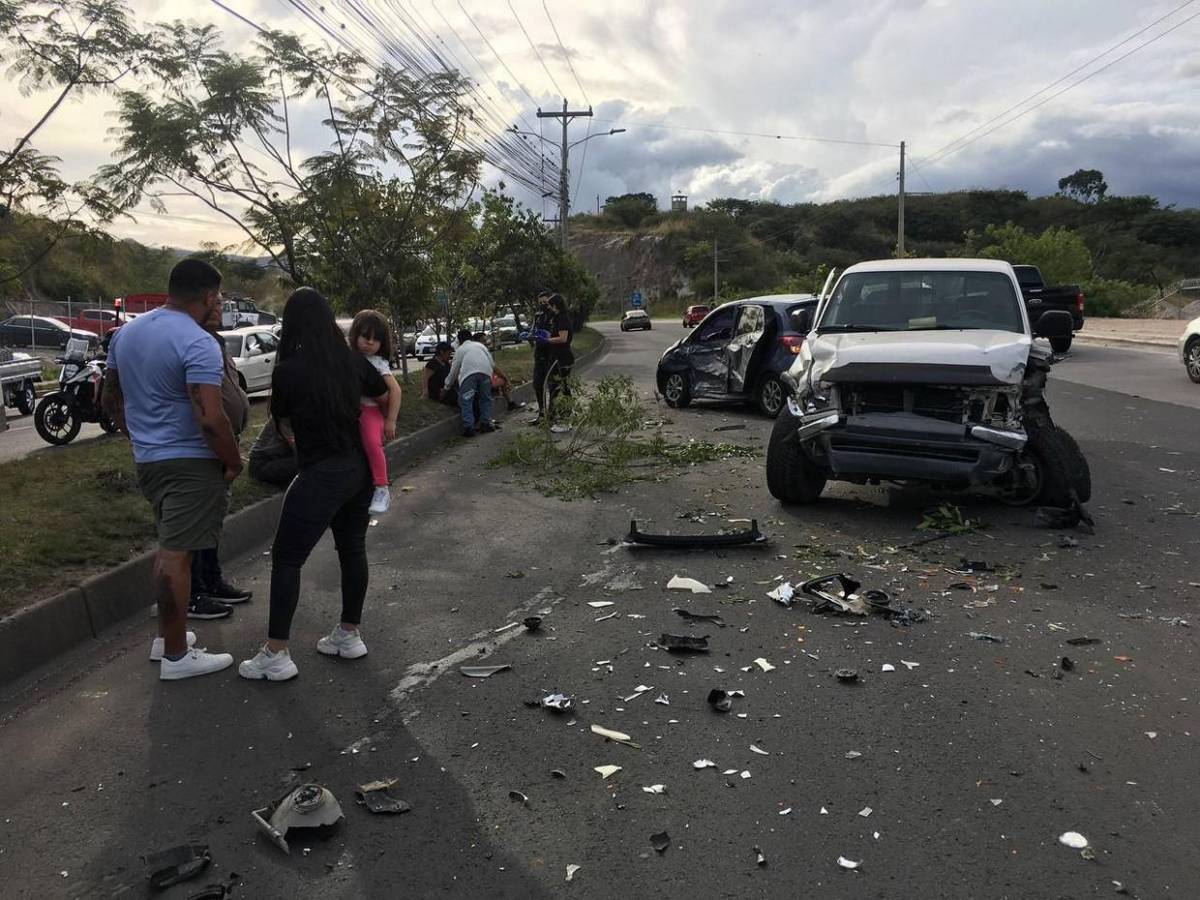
(1046, 476)
(791, 475)
(56, 420)
(26, 399)
(1077, 464)
(1191, 359)
(1062, 344)
(771, 395)
(675, 390)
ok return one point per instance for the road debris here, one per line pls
(309, 807)
(663, 699)
(175, 864)
(848, 863)
(985, 636)
(618, 737)
(660, 841)
(483, 671)
(1083, 641)
(971, 567)
(764, 665)
(556, 702)
(1073, 839)
(571, 870)
(865, 812)
(721, 701)
(783, 594)
(759, 858)
(655, 789)
(518, 797)
(600, 604)
(376, 797)
(704, 764)
(736, 426)
(1056, 517)
(852, 754)
(887, 667)
(683, 583)
(759, 750)
(688, 616)
(532, 623)
(606, 771)
(909, 665)
(684, 643)
(846, 675)
(691, 541)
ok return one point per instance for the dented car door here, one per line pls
(749, 331)
(707, 353)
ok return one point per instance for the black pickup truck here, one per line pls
(1040, 299)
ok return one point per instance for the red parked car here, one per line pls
(694, 316)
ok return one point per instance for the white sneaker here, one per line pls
(346, 644)
(157, 646)
(268, 665)
(194, 662)
(379, 501)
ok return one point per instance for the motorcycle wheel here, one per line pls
(56, 419)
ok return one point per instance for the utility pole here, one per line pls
(900, 209)
(716, 291)
(564, 205)
(597, 204)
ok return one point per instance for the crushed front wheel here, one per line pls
(791, 475)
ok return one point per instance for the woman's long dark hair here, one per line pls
(311, 334)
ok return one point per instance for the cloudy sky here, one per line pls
(695, 83)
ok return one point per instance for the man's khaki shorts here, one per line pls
(189, 498)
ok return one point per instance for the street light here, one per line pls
(564, 205)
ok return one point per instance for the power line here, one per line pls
(566, 56)
(499, 59)
(760, 134)
(537, 53)
(1053, 84)
(937, 159)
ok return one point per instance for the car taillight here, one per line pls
(792, 342)
(1079, 302)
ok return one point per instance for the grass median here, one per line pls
(70, 512)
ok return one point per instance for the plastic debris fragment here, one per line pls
(887, 667)
(846, 675)
(619, 736)
(783, 594)
(684, 643)
(1073, 839)
(683, 583)
(655, 789)
(519, 797)
(848, 863)
(482, 671)
(606, 771)
(759, 858)
(764, 665)
(660, 841)
(688, 616)
(375, 796)
(759, 750)
(600, 604)
(865, 812)
(308, 807)
(704, 764)
(985, 636)
(167, 867)
(720, 700)
(571, 870)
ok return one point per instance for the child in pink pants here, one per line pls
(369, 335)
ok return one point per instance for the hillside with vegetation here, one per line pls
(1123, 250)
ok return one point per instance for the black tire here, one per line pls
(56, 420)
(791, 475)
(1061, 344)
(676, 391)
(26, 399)
(1052, 480)
(771, 395)
(1081, 472)
(107, 425)
(1191, 359)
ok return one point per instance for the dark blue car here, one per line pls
(738, 353)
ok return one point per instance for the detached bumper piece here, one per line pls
(695, 541)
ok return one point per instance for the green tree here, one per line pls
(356, 220)
(631, 210)
(1084, 185)
(1061, 254)
(60, 48)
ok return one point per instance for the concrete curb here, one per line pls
(1136, 342)
(37, 634)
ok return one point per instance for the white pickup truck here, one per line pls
(926, 370)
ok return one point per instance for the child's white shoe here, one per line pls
(379, 501)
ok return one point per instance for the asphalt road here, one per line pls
(952, 776)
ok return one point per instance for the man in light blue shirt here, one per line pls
(163, 389)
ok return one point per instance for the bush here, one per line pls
(1111, 297)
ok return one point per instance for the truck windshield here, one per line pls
(923, 301)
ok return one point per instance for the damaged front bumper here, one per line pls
(905, 446)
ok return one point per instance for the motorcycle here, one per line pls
(60, 415)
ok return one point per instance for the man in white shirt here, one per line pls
(472, 367)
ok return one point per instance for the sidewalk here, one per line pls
(1150, 332)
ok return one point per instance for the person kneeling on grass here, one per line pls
(315, 396)
(501, 383)
(472, 369)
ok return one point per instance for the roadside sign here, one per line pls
(635, 299)
(443, 299)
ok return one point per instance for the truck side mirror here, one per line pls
(1054, 323)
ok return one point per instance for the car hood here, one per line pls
(943, 357)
